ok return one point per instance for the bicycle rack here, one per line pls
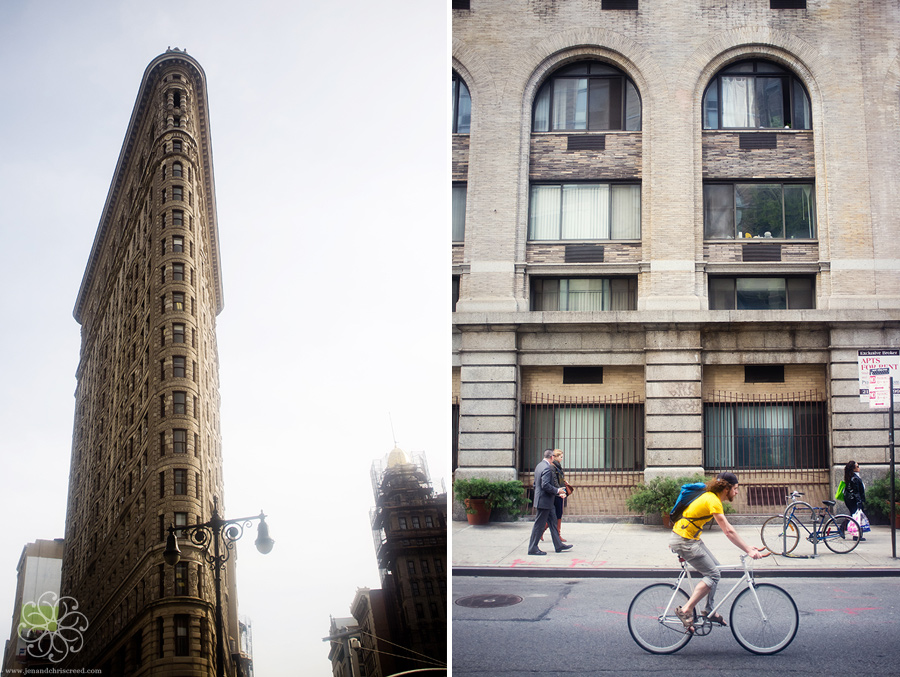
(814, 541)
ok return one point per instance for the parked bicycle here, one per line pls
(781, 533)
(764, 618)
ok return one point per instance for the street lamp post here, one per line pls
(222, 535)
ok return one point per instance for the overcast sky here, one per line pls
(329, 135)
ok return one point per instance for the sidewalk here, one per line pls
(635, 550)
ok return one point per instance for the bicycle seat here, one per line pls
(830, 504)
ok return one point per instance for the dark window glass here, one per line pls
(759, 210)
(178, 369)
(581, 375)
(179, 402)
(182, 626)
(761, 293)
(589, 95)
(180, 481)
(755, 95)
(764, 373)
(179, 437)
(181, 579)
(462, 105)
(458, 210)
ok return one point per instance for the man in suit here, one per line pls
(545, 492)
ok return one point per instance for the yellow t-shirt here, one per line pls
(703, 507)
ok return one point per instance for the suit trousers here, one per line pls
(544, 515)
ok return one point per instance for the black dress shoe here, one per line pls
(565, 546)
(538, 552)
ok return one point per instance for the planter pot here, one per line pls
(482, 514)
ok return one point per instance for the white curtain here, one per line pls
(585, 212)
(459, 213)
(626, 213)
(586, 294)
(570, 103)
(579, 430)
(738, 102)
(544, 219)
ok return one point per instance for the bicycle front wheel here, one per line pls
(778, 537)
(652, 621)
(764, 619)
(841, 534)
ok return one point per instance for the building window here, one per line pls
(410, 566)
(177, 301)
(179, 402)
(181, 578)
(401, 521)
(459, 212)
(176, 98)
(597, 433)
(787, 4)
(178, 272)
(585, 211)
(178, 368)
(462, 105)
(182, 626)
(176, 121)
(589, 95)
(584, 293)
(415, 587)
(582, 375)
(756, 94)
(764, 373)
(429, 522)
(176, 146)
(177, 217)
(160, 647)
(180, 521)
(741, 432)
(425, 568)
(766, 210)
(176, 169)
(162, 488)
(415, 522)
(455, 291)
(177, 193)
(761, 293)
(179, 441)
(178, 244)
(177, 333)
(180, 482)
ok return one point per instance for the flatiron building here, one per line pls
(146, 449)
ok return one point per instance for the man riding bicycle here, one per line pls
(686, 543)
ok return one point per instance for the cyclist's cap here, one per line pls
(729, 477)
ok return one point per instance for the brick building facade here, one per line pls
(146, 449)
(674, 227)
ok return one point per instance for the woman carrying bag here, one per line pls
(855, 495)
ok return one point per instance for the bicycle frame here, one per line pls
(704, 626)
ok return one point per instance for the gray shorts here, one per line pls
(698, 556)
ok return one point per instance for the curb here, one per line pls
(558, 572)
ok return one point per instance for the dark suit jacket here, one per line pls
(545, 489)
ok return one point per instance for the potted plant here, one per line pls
(878, 495)
(480, 496)
(658, 497)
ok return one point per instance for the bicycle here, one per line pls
(764, 618)
(781, 533)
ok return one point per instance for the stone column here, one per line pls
(674, 409)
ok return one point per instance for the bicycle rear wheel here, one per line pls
(652, 621)
(841, 534)
(777, 538)
(768, 626)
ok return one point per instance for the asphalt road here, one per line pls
(848, 626)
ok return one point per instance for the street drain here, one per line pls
(488, 601)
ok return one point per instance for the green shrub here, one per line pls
(878, 494)
(508, 496)
(659, 494)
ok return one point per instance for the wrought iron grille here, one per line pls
(777, 443)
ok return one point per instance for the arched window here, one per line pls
(756, 94)
(462, 106)
(588, 95)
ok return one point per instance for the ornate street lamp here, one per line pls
(222, 535)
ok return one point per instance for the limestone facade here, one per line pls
(146, 449)
(673, 347)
